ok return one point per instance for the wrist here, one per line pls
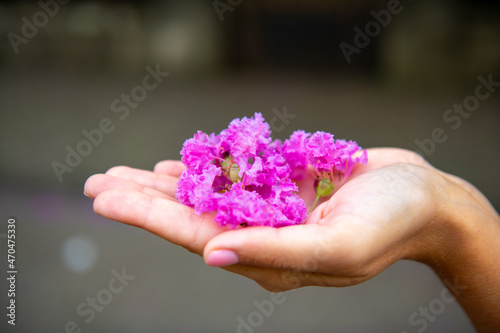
(466, 242)
(467, 229)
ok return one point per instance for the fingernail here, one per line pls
(219, 258)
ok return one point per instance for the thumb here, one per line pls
(308, 247)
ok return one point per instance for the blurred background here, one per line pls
(72, 70)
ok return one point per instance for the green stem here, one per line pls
(314, 204)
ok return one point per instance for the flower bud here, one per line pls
(233, 173)
(226, 163)
(323, 187)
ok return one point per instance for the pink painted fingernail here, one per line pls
(219, 258)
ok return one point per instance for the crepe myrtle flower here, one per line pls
(248, 179)
(326, 156)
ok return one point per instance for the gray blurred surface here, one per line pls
(56, 88)
(173, 290)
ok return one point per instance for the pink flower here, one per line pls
(345, 161)
(247, 136)
(295, 153)
(246, 177)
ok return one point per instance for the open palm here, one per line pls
(377, 216)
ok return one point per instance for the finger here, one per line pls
(276, 280)
(163, 183)
(99, 183)
(382, 157)
(170, 168)
(170, 220)
(307, 248)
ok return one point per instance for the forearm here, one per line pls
(468, 259)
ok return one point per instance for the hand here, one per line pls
(396, 207)
(373, 219)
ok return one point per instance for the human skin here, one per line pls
(396, 207)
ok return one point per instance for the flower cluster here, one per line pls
(247, 178)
